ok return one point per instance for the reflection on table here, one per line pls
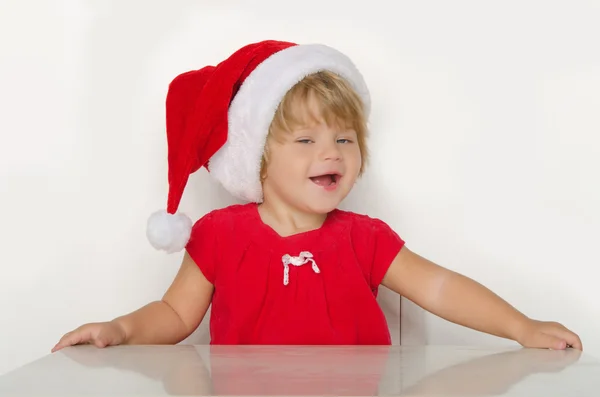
(187, 370)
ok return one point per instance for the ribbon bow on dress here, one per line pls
(299, 260)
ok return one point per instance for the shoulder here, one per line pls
(375, 244)
(360, 222)
(232, 210)
(367, 232)
(222, 220)
(225, 214)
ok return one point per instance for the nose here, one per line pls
(330, 151)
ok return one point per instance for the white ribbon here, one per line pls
(299, 260)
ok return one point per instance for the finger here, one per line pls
(61, 343)
(570, 338)
(547, 341)
(72, 338)
(560, 331)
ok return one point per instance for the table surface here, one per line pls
(201, 370)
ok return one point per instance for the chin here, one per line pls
(322, 209)
(323, 205)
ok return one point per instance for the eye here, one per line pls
(304, 141)
(344, 140)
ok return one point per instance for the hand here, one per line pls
(99, 334)
(548, 335)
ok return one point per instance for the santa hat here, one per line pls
(218, 117)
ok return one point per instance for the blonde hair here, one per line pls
(338, 104)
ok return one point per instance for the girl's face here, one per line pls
(312, 168)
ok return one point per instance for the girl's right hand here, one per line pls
(102, 334)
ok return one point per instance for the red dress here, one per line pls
(313, 288)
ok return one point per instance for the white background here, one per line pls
(485, 142)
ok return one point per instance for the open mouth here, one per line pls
(326, 180)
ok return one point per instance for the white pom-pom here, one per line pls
(168, 232)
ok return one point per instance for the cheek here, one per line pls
(287, 166)
(352, 156)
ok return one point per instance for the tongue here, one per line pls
(323, 180)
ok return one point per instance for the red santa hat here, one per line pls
(218, 117)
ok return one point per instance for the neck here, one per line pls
(287, 220)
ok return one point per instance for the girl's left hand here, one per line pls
(548, 335)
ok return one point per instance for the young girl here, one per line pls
(283, 127)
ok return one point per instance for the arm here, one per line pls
(177, 315)
(465, 302)
(168, 321)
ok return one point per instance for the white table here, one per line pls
(187, 370)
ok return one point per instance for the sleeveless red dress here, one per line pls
(313, 288)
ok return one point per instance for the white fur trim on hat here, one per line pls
(237, 164)
(168, 232)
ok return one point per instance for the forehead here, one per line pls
(313, 112)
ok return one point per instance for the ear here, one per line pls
(263, 167)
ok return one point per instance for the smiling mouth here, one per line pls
(326, 180)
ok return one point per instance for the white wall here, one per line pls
(485, 142)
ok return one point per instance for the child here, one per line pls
(283, 127)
